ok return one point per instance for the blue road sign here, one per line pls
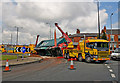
(23, 49)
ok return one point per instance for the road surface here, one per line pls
(57, 70)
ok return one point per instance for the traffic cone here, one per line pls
(72, 65)
(7, 67)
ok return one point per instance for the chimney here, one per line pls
(105, 29)
(66, 33)
(78, 31)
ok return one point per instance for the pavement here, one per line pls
(27, 60)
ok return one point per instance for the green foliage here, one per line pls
(104, 36)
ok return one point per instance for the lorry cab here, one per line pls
(96, 50)
(88, 50)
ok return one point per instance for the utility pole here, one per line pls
(11, 38)
(111, 22)
(98, 19)
(17, 34)
(111, 27)
(50, 29)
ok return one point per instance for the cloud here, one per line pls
(33, 16)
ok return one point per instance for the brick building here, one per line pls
(114, 39)
(79, 36)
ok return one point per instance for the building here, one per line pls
(113, 36)
(114, 39)
(79, 36)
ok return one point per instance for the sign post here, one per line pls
(23, 50)
(16, 48)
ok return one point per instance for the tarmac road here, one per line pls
(57, 70)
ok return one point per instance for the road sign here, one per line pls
(23, 49)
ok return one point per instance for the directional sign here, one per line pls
(23, 49)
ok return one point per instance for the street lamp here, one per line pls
(17, 34)
(111, 26)
(98, 19)
(111, 22)
(50, 29)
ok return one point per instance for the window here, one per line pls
(114, 46)
(110, 46)
(112, 37)
(75, 46)
(118, 37)
(119, 45)
(97, 45)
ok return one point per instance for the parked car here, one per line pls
(116, 54)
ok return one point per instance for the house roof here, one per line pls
(86, 34)
(114, 31)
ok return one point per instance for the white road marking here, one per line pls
(108, 66)
(105, 64)
(110, 70)
(113, 75)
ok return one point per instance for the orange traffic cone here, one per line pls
(7, 67)
(72, 65)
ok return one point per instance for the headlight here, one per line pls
(95, 56)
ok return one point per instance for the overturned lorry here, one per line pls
(47, 47)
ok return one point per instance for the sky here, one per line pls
(32, 18)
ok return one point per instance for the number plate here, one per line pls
(103, 58)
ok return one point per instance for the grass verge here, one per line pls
(10, 57)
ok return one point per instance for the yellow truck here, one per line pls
(88, 50)
(2, 49)
(32, 46)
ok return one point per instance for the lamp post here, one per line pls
(50, 29)
(98, 19)
(111, 22)
(11, 38)
(17, 34)
(111, 27)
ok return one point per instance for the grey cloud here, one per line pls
(33, 16)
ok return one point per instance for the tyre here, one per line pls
(68, 56)
(114, 58)
(80, 58)
(65, 56)
(88, 59)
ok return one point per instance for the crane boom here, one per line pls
(36, 40)
(64, 35)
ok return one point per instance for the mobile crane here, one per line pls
(88, 50)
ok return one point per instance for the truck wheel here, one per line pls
(88, 59)
(68, 56)
(80, 58)
(65, 56)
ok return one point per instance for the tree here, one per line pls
(104, 36)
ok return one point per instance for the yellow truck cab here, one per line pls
(2, 49)
(89, 50)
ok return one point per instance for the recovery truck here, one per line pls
(88, 50)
